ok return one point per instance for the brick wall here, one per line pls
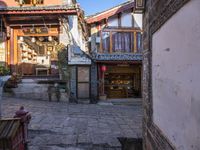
(156, 13)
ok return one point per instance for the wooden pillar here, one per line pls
(99, 34)
(100, 78)
(12, 49)
(135, 42)
(119, 20)
(101, 42)
(15, 46)
(111, 46)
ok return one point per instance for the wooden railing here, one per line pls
(120, 40)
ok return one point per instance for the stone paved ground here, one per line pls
(63, 126)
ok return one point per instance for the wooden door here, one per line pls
(83, 82)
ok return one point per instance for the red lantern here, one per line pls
(103, 68)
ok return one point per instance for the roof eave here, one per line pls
(108, 13)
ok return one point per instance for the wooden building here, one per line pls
(116, 46)
(33, 31)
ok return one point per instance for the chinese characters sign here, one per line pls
(35, 30)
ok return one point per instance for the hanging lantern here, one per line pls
(50, 38)
(103, 68)
(33, 40)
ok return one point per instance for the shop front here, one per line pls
(120, 80)
(36, 50)
(34, 35)
(32, 44)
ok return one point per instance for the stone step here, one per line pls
(31, 89)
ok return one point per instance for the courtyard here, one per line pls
(64, 126)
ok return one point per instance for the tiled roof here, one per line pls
(118, 57)
(33, 8)
(110, 12)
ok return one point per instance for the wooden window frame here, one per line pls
(111, 30)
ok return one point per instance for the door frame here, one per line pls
(89, 82)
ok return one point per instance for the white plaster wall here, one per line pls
(73, 27)
(75, 33)
(137, 20)
(126, 19)
(113, 21)
(176, 77)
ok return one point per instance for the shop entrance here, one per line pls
(37, 51)
(37, 55)
(123, 81)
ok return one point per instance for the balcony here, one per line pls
(124, 40)
(119, 44)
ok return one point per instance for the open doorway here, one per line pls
(38, 55)
(122, 81)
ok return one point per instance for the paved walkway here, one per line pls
(63, 126)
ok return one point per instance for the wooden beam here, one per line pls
(73, 11)
(122, 30)
(30, 24)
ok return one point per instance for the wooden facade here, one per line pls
(32, 33)
(116, 42)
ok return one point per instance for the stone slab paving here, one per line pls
(63, 126)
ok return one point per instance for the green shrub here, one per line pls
(4, 71)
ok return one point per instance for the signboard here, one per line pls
(35, 30)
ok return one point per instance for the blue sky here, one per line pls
(93, 6)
